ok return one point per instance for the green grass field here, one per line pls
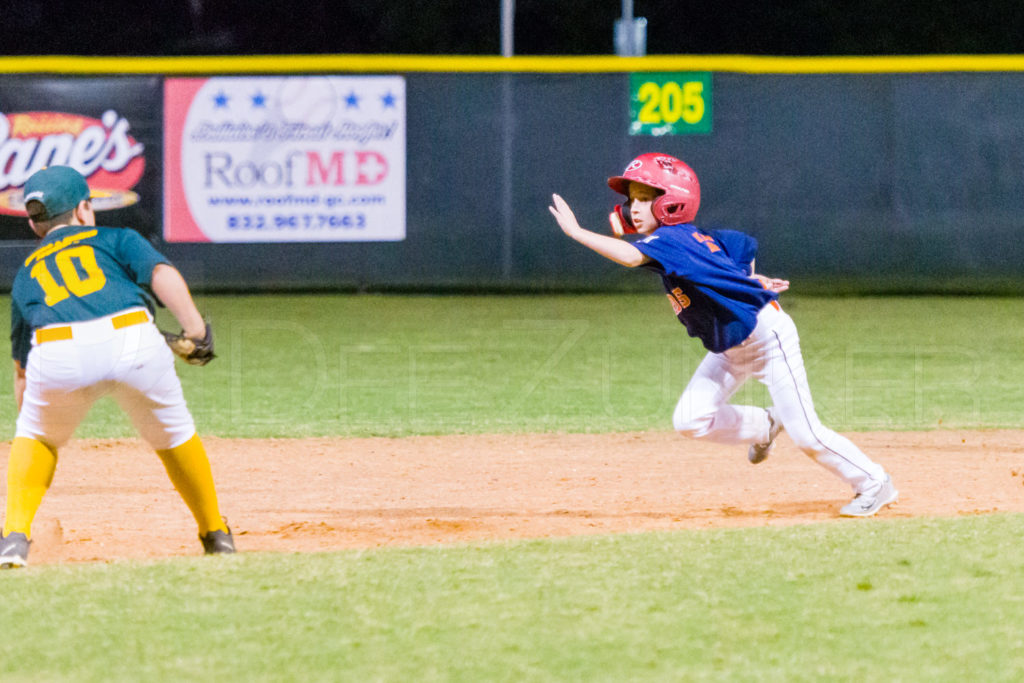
(396, 365)
(918, 600)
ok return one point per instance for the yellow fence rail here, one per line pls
(270, 64)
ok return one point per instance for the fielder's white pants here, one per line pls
(772, 355)
(133, 365)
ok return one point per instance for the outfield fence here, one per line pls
(903, 174)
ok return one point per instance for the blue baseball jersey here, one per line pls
(707, 276)
(80, 273)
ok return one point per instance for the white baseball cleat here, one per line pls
(13, 551)
(865, 505)
(758, 452)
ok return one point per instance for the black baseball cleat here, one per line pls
(218, 542)
(13, 551)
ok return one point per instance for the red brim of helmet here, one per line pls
(620, 184)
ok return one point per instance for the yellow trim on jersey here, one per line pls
(286, 64)
(43, 252)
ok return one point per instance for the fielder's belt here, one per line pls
(62, 332)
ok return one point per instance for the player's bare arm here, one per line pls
(611, 248)
(170, 287)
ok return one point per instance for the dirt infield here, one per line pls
(111, 499)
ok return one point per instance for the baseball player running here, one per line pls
(82, 327)
(717, 295)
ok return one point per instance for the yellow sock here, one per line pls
(30, 469)
(189, 470)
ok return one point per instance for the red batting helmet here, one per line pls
(680, 196)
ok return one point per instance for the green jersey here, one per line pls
(80, 272)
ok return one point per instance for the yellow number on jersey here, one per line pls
(66, 261)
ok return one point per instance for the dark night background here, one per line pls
(542, 27)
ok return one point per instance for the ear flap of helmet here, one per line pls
(670, 209)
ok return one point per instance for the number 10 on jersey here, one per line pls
(670, 103)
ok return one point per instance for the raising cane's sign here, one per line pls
(102, 150)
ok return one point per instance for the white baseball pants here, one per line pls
(132, 364)
(772, 355)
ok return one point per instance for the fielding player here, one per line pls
(82, 327)
(711, 283)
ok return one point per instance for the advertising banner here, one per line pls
(285, 159)
(106, 128)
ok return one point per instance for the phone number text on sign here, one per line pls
(292, 222)
(670, 103)
(292, 159)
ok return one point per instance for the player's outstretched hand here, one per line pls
(564, 215)
(773, 284)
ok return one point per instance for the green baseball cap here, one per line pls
(57, 188)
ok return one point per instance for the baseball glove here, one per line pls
(192, 350)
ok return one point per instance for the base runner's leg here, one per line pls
(30, 469)
(704, 411)
(189, 470)
(786, 379)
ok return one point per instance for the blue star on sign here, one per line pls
(352, 101)
(388, 100)
(220, 100)
(259, 100)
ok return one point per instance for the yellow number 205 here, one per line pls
(669, 102)
(66, 260)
